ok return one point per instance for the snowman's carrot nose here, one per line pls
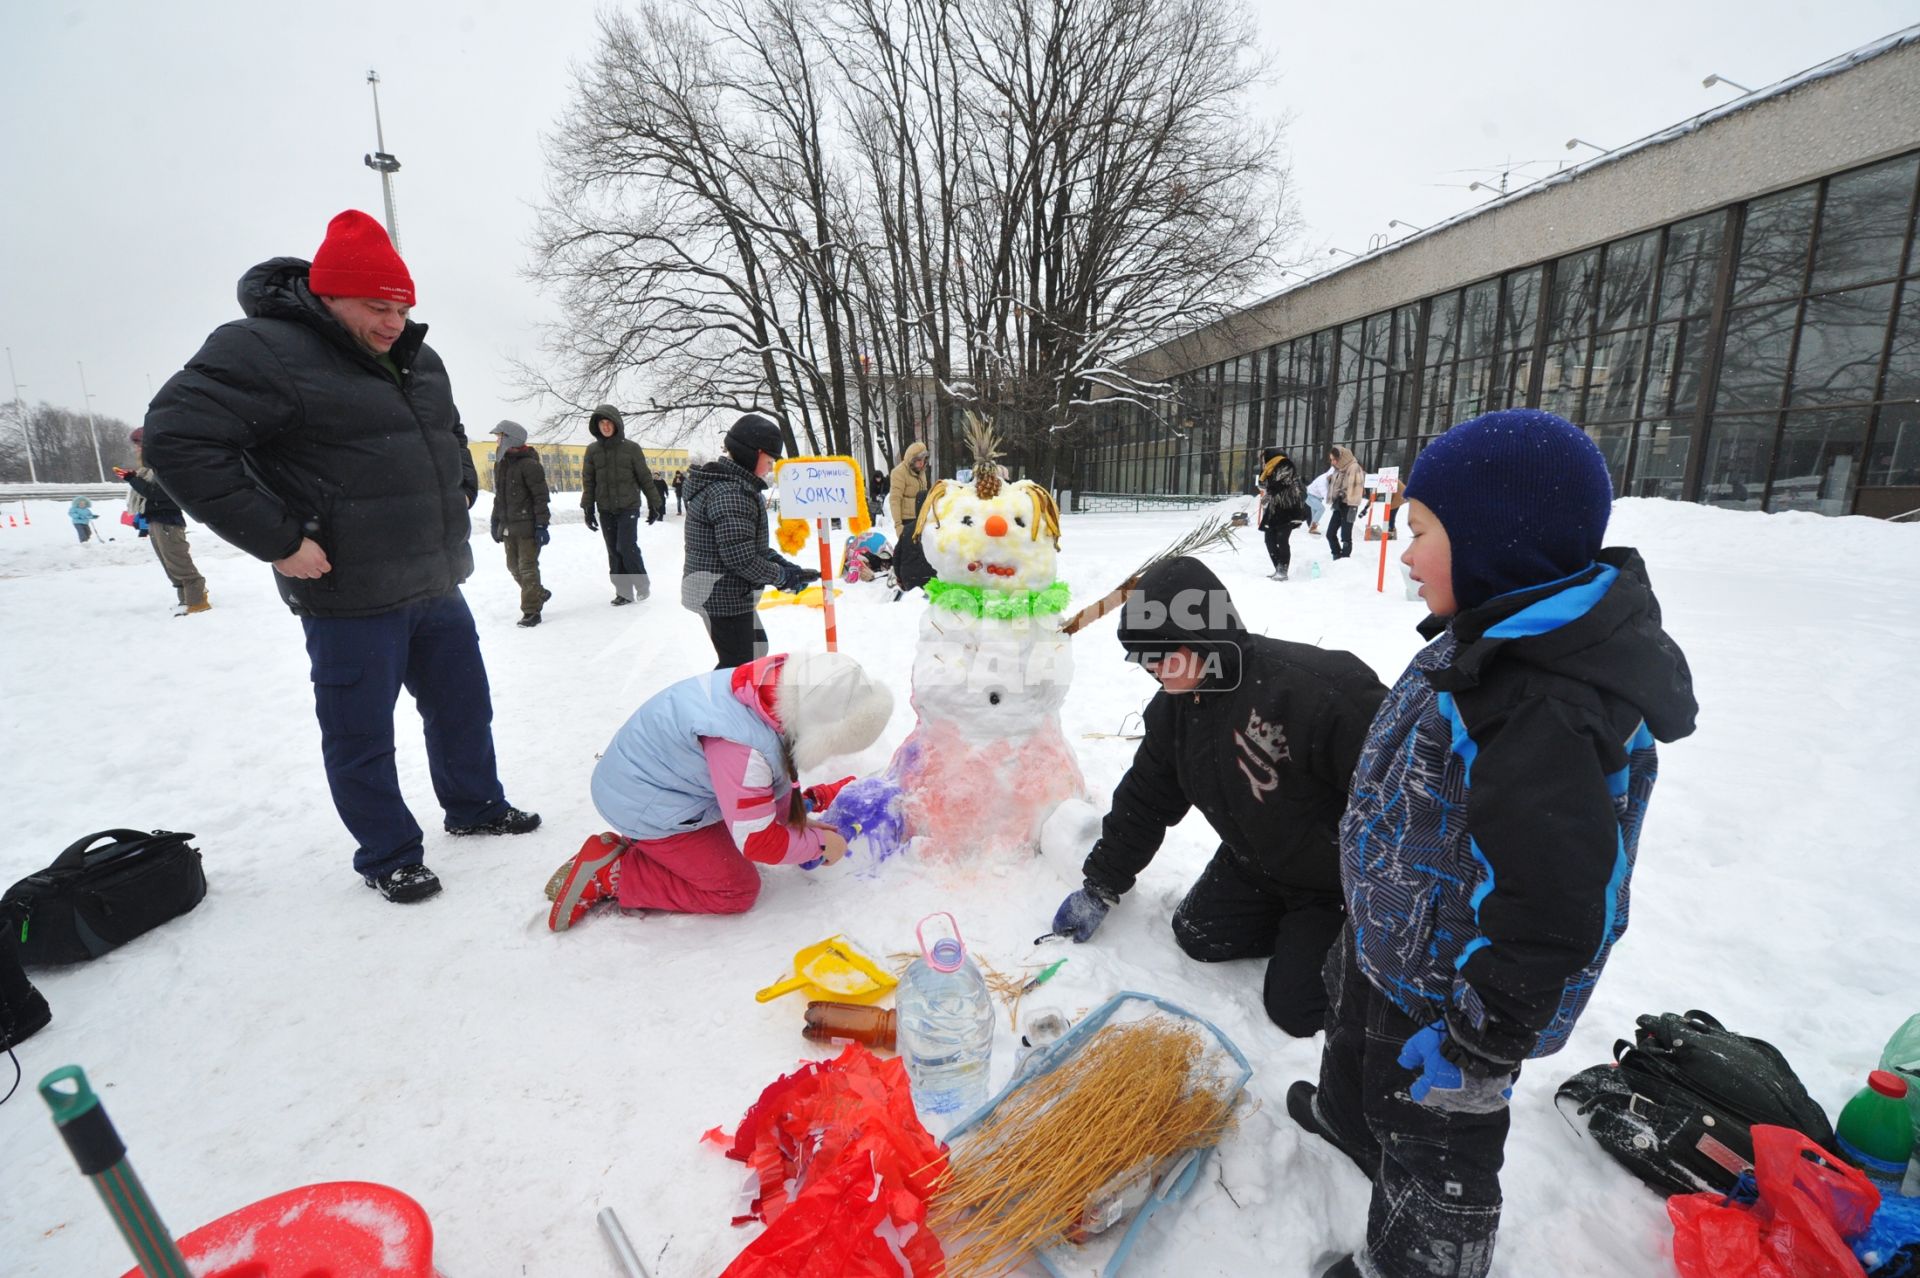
(996, 525)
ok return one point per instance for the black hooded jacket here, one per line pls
(1264, 748)
(283, 426)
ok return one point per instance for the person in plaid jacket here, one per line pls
(728, 559)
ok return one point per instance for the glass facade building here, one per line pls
(1762, 356)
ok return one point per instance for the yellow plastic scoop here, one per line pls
(835, 968)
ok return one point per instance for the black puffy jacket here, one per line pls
(283, 426)
(1264, 750)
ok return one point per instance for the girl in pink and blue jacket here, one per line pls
(701, 783)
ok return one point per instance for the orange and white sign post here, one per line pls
(1385, 485)
(821, 488)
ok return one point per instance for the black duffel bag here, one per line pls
(1678, 1105)
(96, 898)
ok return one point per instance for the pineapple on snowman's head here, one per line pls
(991, 534)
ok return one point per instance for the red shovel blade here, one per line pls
(342, 1229)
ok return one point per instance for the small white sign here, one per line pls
(817, 488)
(1387, 482)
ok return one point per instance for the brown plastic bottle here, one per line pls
(872, 1026)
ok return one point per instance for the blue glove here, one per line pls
(541, 535)
(1079, 915)
(1453, 1078)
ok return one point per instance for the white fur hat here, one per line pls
(829, 706)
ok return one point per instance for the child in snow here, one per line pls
(702, 781)
(81, 513)
(1490, 832)
(1317, 499)
(1259, 736)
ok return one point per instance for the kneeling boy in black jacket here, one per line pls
(1261, 736)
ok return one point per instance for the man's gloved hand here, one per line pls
(1079, 915)
(1453, 1077)
(592, 523)
(541, 535)
(794, 578)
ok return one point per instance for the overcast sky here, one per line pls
(154, 151)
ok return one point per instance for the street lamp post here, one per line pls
(1410, 226)
(87, 397)
(1573, 142)
(1712, 80)
(383, 163)
(20, 407)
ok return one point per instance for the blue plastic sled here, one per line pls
(1174, 1185)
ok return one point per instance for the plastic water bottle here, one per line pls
(1874, 1131)
(945, 1029)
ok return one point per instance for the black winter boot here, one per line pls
(512, 821)
(405, 885)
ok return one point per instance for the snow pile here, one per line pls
(294, 1028)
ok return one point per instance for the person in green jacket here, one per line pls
(614, 481)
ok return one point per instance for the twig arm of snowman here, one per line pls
(1212, 533)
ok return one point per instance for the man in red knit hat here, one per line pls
(319, 434)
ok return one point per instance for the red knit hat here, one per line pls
(357, 260)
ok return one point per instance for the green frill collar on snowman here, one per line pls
(1001, 605)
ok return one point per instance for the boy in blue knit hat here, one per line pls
(1490, 832)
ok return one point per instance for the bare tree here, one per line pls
(866, 215)
(62, 445)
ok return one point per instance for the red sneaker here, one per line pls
(592, 876)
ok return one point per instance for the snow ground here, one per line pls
(295, 1028)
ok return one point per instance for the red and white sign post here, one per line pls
(1386, 484)
(821, 488)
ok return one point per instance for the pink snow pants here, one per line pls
(699, 872)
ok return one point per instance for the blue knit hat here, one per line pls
(1524, 497)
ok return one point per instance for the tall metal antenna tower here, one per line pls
(383, 163)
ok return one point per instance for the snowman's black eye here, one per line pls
(1021, 520)
(967, 520)
(993, 698)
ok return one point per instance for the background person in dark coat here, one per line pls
(1261, 736)
(679, 493)
(1283, 505)
(520, 515)
(728, 560)
(162, 523)
(319, 434)
(614, 481)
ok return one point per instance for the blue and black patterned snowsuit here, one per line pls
(1486, 854)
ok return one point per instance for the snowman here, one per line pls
(987, 763)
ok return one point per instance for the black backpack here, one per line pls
(1677, 1106)
(94, 899)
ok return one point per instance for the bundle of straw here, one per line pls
(1136, 1093)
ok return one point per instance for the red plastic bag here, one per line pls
(1809, 1204)
(843, 1170)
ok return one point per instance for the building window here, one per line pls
(1819, 462)
(1738, 453)
(1773, 246)
(1863, 225)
